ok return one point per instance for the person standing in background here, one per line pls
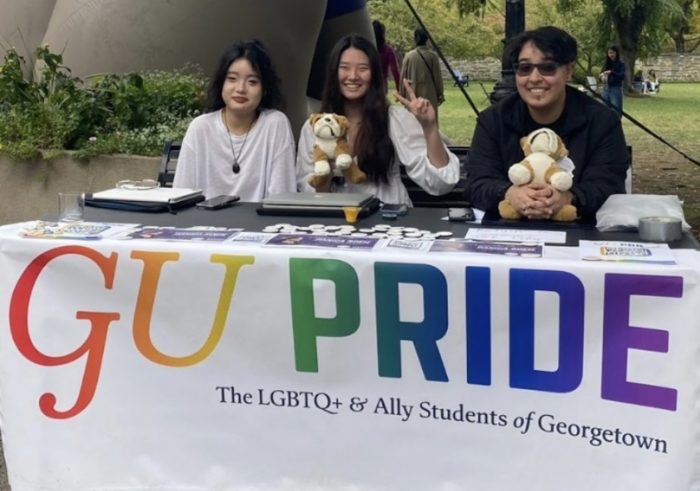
(613, 75)
(421, 68)
(387, 56)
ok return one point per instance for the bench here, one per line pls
(454, 198)
(461, 80)
(168, 163)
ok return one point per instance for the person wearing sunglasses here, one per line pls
(243, 145)
(543, 61)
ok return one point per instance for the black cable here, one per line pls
(442, 57)
(639, 124)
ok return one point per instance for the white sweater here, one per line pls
(266, 159)
(411, 151)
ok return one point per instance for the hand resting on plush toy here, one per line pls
(540, 185)
(537, 201)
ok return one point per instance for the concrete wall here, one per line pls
(670, 68)
(30, 189)
(673, 68)
(488, 68)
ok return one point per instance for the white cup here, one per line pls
(70, 207)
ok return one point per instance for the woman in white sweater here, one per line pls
(243, 145)
(381, 137)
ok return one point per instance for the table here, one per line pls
(159, 365)
(243, 215)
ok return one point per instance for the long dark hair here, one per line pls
(612, 64)
(379, 34)
(253, 51)
(373, 146)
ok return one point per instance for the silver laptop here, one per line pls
(325, 200)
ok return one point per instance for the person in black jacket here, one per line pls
(543, 60)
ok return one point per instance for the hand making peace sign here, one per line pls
(420, 107)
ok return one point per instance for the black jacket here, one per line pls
(591, 131)
(617, 72)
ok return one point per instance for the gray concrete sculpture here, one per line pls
(118, 36)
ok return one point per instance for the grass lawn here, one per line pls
(673, 114)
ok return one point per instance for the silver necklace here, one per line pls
(236, 166)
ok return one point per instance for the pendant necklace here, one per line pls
(236, 166)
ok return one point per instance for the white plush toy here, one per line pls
(331, 144)
(542, 148)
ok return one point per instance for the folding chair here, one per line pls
(168, 163)
(454, 198)
(462, 80)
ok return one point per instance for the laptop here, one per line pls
(146, 200)
(155, 195)
(318, 204)
(335, 200)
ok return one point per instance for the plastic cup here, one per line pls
(71, 207)
(351, 213)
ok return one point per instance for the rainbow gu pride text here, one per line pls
(618, 335)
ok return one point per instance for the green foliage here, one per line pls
(679, 24)
(131, 113)
(474, 28)
(465, 7)
(459, 34)
(583, 23)
(636, 26)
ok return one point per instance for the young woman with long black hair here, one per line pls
(243, 145)
(613, 75)
(381, 136)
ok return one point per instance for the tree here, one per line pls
(694, 36)
(467, 36)
(465, 7)
(583, 23)
(633, 24)
(679, 25)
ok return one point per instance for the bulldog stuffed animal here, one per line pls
(330, 131)
(542, 148)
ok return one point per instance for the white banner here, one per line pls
(147, 365)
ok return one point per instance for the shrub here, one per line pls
(109, 113)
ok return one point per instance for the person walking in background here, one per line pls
(421, 68)
(387, 56)
(613, 75)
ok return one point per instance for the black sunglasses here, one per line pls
(547, 68)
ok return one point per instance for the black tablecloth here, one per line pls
(243, 215)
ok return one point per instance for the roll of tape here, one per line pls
(660, 229)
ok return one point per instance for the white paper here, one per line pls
(606, 250)
(517, 235)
